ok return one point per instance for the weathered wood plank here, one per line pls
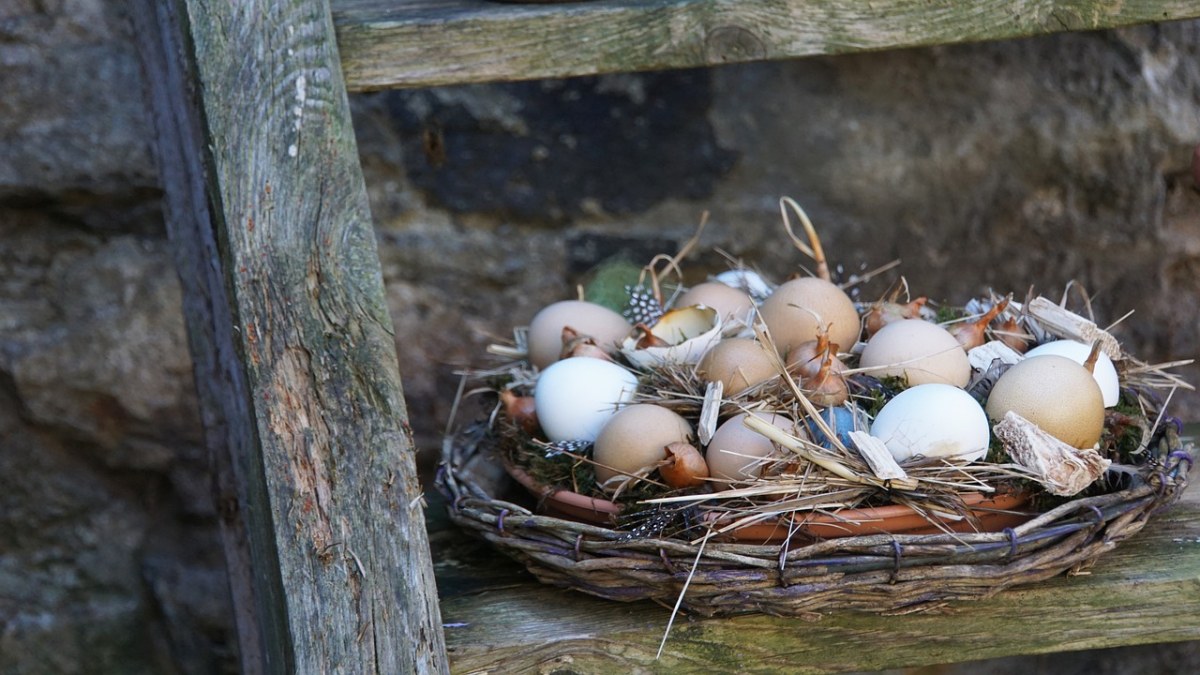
(295, 360)
(498, 620)
(410, 43)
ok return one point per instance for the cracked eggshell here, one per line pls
(734, 452)
(933, 420)
(575, 397)
(636, 438)
(1105, 373)
(689, 332)
(607, 327)
(919, 351)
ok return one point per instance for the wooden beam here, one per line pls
(414, 43)
(295, 359)
(499, 620)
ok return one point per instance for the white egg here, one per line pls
(575, 397)
(933, 420)
(1105, 372)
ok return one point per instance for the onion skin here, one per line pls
(577, 344)
(827, 387)
(646, 339)
(684, 466)
(886, 311)
(973, 334)
(1012, 334)
(521, 410)
(819, 371)
(804, 360)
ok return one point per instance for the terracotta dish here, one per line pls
(991, 514)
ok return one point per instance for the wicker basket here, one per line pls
(879, 572)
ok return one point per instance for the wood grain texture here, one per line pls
(295, 356)
(410, 43)
(498, 620)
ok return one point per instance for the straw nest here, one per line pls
(826, 520)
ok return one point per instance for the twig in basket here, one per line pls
(682, 592)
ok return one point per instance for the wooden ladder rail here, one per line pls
(271, 231)
(294, 352)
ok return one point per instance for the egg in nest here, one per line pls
(636, 438)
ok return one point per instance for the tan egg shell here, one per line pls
(919, 351)
(738, 363)
(545, 330)
(797, 309)
(735, 447)
(636, 438)
(727, 300)
(1057, 394)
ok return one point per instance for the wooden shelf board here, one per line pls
(420, 43)
(498, 619)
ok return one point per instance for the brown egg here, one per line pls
(919, 351)
(735, 450)
(636, 438)
(727, 300)
(799, 308)
(1055, 393)
(545, 330)
(738, 363)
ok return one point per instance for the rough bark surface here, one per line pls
(296, 365)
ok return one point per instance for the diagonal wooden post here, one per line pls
(295, 360)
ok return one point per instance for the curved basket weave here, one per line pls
(872, 573)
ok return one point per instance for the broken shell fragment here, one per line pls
(681, 336)
(1064, 470)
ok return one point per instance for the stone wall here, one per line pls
(994, 165)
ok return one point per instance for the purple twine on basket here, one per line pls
(578, 543)
(897, 553)
(1012, 541)
(1171, 419)
(662, 555)
(500, 519)
(1181, 457)
(1099, 514)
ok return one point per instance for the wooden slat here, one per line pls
(295, 360)
(411, 43)
(498, 620)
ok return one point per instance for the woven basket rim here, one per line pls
(874, 572)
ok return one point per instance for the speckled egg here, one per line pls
(1054, 392)
(1104, 372)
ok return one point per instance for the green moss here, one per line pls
(947, 313)
(606, 284)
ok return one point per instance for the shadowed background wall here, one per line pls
(998, 165)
